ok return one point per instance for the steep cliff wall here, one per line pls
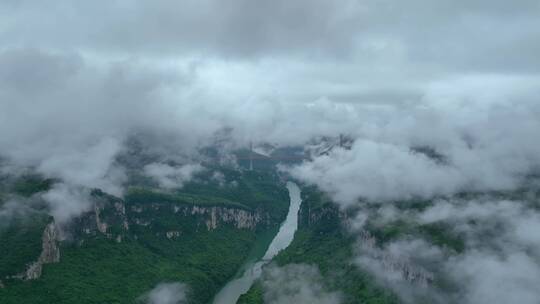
(117, 219)
(328, 218)
(177, 219)
(405, 269)
(239, 218)
(50, 253)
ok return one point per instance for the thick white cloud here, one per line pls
(66, 201)
(484, 146)
(377, 171)
(273, 71)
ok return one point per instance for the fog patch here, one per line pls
(170, 177)
(405, 266)
(13, 209)
(499, 264)
(507, 225)
(296, 283)
(90, 167)
(219, 178)
(489, 277)
(166, 293)
(67, 201)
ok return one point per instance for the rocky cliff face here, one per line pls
(330, 215)
(116, 220)
(200, 217)
(111, 218)
(50, 253)
(402, 267)
(216, 216)
(322, 214)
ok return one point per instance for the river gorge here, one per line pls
(238, 286)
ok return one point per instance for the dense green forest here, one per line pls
(327, 245)
(101, 268)
(103, 271)
(20, 242)
(322, 240)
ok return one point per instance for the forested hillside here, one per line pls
(397, 252)
(120, 248)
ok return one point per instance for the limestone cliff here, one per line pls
(50, 253)
(329, 215)
(117, 220)
(206, 217)
(405, 269)
(107, 217)
(239, 218)
(123, 220)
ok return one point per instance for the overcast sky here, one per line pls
(76, 79)
(459, 76)
(462, 77)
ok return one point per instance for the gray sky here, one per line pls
(462, 77)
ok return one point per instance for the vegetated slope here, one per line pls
(322, 241)
(103, 271)
(114, 253)
(22, 221)
(20, 242)
(326, 239)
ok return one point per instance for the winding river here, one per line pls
(235, 288)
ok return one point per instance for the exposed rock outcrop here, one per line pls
(172, 234)
(323, 213)
(399, 266)
(113, 219)
(403, 267)
(50, 253)
(119, 221)
(108, 217)
(241, 219)
(101, 226)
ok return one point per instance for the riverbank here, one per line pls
(235, 288)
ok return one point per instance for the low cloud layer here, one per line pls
(65, 202)
(70, 96)
(170, 177)
(491, 150)
(296, 283)
(499, 262)
(492, 278)
(13, 209)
